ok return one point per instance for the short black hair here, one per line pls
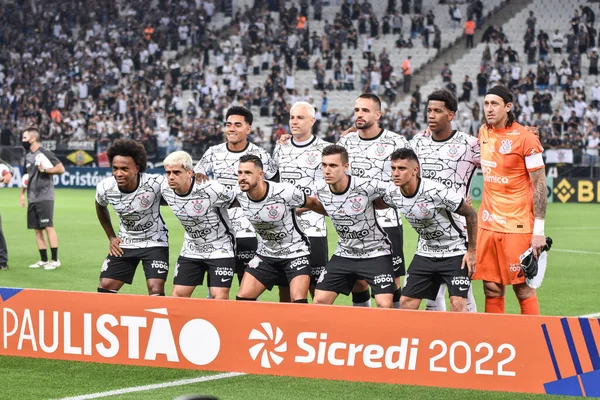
(33, 128)
(243, 111)
(128, 148)
(252, 159)
(446, 96)
(336, 149)
(404, 154)
(374, 98)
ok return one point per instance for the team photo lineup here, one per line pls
(260, 218)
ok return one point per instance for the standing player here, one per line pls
(283, 248)
(5, 179)
(40, 164)
(143, 236)
(221, 162)
(369, 149)
(447, 157)
(299, 163)
(443, 251)
(363, 250)
(208, 241)
(513, 207)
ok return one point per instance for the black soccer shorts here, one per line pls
(425, 275)
(155, 261)
(245, 250)
(191, 271)
(268, 270)
(341, 273)
(395, 234)
(40, 214)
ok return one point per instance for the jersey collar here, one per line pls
(237, 151)
(445, 140)
(311, 141)
(139, 179)
(189, 191)
(345, 190)
(264, 197)
(374, 137)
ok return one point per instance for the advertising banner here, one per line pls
(557, 156)
(577, 190)
(534, 354)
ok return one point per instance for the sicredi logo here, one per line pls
(141, 336)
(314, 348)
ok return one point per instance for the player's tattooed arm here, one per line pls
(104, 218)
(540, 194)
(470, 214)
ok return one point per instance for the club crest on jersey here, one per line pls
(381, 149)
(311, 158)
(506, 146)
(453, 150)
(197, 206)
(145, 201)
(272, 212)
(356, 204)
(423, 209)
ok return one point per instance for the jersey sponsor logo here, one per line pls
(450, 204)
(197, 234)
(223, 271)
(383, 278)
(490, 164)
(460, 281)
(130, 225)
(245, 255)
(431, 235)
(491, 177)
(317, 271)
(158, 264)
(505, 147)
(345, 233)
(360, 169)
(300, 263)
(396, 260)
(266, 235)
(513, 133)
(207, 248)
(515, 267)
(487, 216)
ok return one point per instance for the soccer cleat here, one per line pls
(39, 264)
(534, 270)
(52, 264)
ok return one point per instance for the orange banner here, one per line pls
(534, 354)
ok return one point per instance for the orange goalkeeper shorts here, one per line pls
(498, 256)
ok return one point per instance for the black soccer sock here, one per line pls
(44, 255)
(102, 290)
(301, 301)
(54, 253)
(397, 294)
(244, 298)
(361, 297)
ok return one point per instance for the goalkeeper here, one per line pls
(513, 207)
(41, 164)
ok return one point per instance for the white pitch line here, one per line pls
(155, 386)
(576, 251)
(590, 315)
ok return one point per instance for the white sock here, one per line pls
(363, 304)
(439, 304)
(209, 295)
(471, 306)
(397, 304)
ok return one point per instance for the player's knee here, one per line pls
(522, 291)
(491, 289)
(409, 303)
(384, 302)
(458, 304)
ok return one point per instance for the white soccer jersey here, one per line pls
(274, 218)
(221, 164)
(430, 212)
(300, 165)
(203, 213)
(451, 162)
(370, 158)
(353, 216)
(140, 222)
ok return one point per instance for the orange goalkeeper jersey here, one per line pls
(507, 157)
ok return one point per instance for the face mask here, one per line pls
(26, 145)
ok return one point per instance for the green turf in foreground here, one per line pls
(25, 378)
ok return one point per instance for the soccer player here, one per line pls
(449, 157)
(369, 149)
(363, 249)
(135, 196)
(299, 163)
(221, 162)
(513, 207)
(41, 164)
(283, 248)
(208, 240)
(3, 252)
(443, 252)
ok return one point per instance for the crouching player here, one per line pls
(444, 255)
(208, 242)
